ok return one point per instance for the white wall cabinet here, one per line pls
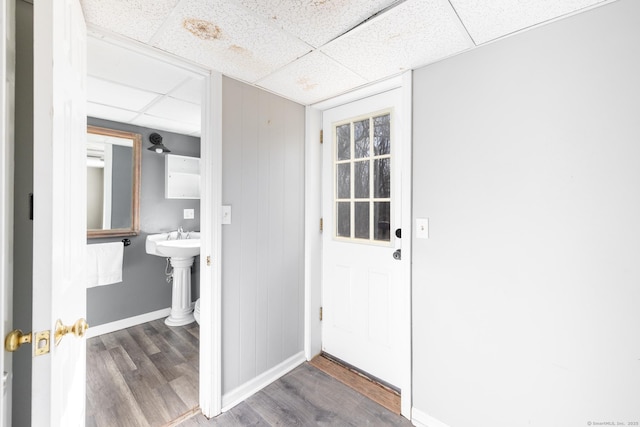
(182, 177)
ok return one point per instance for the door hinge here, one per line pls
(208, 260)
(321, 225)
(321, 137)
(321, 314)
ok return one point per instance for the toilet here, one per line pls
(196, 311)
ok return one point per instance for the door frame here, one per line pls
(7, 96)
(313, 213)
(210, 393)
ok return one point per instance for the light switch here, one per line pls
(226, 214)
(189, 214)
(422, 228)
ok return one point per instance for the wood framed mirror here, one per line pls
(113, 182)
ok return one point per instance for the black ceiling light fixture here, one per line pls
(156, 140)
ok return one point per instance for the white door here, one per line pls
(59, 224)
(7, 85)
(362, 291)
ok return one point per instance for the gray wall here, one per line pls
(527, 164)
(144, 288)
(262, 250)
(23, 226)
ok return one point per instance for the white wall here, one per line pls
(263, 247)
(526, 297)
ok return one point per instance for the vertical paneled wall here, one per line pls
(526, 162)
(263, 247)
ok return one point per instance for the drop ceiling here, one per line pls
(304, 50)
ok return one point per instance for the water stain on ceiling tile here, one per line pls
(239, 50)
(306, 84)
(202, 29)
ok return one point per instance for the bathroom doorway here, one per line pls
(138, 87)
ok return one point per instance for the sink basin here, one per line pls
(168, 245)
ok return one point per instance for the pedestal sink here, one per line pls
(181, 248)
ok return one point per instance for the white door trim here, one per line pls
(7, 96)
(210, 226)
(313, 236)
(313, 209)
(211, 250)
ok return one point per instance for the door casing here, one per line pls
(313, 212)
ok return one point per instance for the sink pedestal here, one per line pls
(181, 311)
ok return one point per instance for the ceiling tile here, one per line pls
(107, 93)
(312, 78)
(412, 34)
(100, 111)
(228, 38)
(120, 65)
(488, 20)
(137, 19)
(190, 91)
(316, 21)
(177, 110)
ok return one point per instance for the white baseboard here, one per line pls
(106, 328)
(421, 419)
(251, 387)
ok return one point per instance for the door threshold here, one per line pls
(365, 384)
(182, 418)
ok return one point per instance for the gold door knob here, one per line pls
(15, 339)
(78, 329)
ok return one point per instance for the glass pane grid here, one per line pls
(363, 180)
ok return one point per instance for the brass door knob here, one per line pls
(78, 329)
(15, 339)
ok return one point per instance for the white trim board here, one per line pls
(422, 419)
(107, 328)
(253, 386)
(210, 222)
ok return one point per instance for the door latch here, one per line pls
(16, 338)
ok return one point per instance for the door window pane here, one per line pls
(343, 214)
(361, 219)
(344, 180)
(382, 135)
(361, 180)
(361, 139)
(343, 138)
(382, 221)
(382, 178)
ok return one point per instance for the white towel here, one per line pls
(104, 263)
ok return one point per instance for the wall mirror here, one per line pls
(113, 182)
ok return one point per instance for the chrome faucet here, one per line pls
(180, 231)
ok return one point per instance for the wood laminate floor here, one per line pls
(142, 376)
(148, 376)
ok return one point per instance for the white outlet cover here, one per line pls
(189, 214)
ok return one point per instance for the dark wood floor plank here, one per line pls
(139, 334)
